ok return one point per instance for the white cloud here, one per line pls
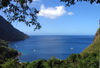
(70, 13)
(51, 12)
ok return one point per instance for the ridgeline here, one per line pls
(9, 33)
(95, 46)
(89, 58)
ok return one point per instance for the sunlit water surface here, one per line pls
(44, 47)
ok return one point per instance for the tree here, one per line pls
(72, 2)
(20, 11)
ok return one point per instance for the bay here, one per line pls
(46, 46)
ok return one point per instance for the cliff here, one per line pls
(95, 46)
(97, 34)
(9, 33)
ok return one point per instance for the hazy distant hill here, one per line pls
(9, 33)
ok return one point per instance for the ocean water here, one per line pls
(46, 46)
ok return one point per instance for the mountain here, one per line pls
(95, 46)
(89, 58)
(9, 33)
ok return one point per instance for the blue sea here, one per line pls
(46, 46)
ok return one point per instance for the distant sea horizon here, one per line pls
(46, 46)
(59, 35)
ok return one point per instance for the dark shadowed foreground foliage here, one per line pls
(6, 52)
(20, 11)
(89, 58)
(73, 61)
(72, 2)
(16, 10)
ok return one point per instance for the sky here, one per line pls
(57, 19)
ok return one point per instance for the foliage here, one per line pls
(20, 11)
(94, 48)
(11, 63)
(73, 61)
(72, 2)
(89, 58)
(3, 43)
(5, 52)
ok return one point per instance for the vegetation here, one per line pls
(73, 61)
(16, 10)
(20, 11)
(6, 52)
(95, 46)
(72, 2)
(89, 58)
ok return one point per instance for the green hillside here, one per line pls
(89, 58)
(6, 52)
(95, 46)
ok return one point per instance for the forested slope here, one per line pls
(9, 33)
